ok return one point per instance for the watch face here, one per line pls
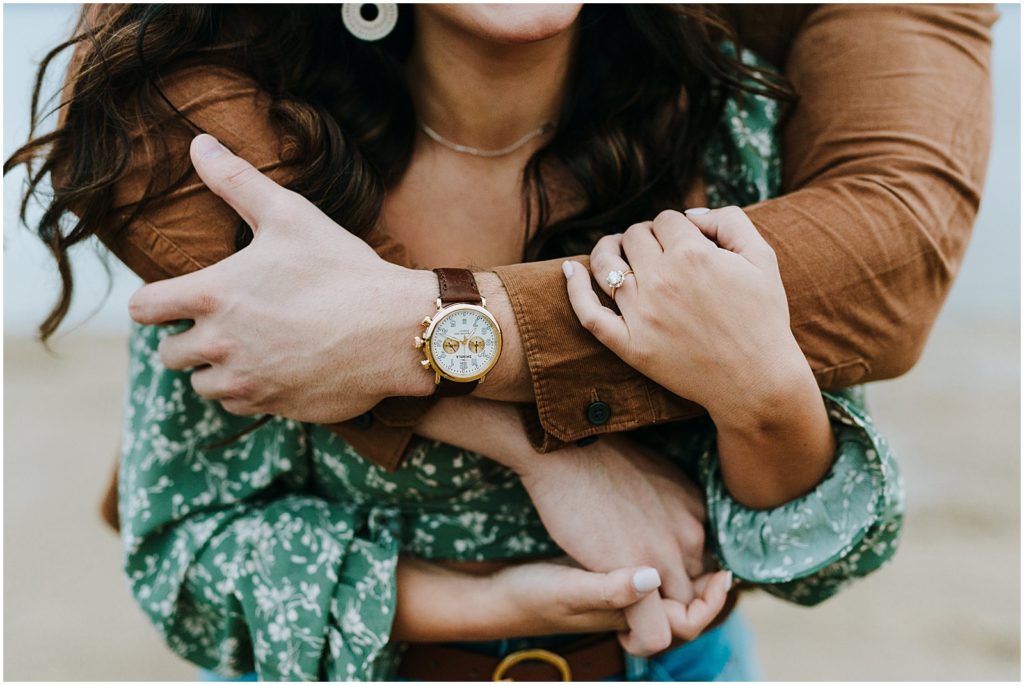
(465, 343)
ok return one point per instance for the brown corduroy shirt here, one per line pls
(884, 157)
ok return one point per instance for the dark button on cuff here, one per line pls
(589, 440)
(598, 413)
(364, 420)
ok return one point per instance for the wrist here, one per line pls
(410, 298)
(771, 396)
(778, 443)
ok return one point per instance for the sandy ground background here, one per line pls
(948, 607)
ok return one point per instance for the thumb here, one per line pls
(615, 590)
(233, 179)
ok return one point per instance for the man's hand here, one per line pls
(609, 505)
(613, 501)
(307, 321)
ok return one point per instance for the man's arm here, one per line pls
(884, 159)
(885, 166)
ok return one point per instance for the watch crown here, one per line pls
(425, 363)
(426, 321)
(418, 342)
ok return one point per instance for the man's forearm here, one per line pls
(485, 426)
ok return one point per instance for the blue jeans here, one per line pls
(723, 654)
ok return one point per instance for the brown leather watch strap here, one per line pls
(446, 387)
(457, 285)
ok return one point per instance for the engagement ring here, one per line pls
(615, 279)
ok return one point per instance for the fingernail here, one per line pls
(696, 211)
(646, 579)
(208, 147)
(567, 269)
(728, 580)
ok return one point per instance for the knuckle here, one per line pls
(163, 350)
(695, 534)
(734, 214)
(635, 230)
(217, 351)
(599, 262)
(695, 255)
(239, 389)
(652, 645)
(205, 304)
(567, 605)
(591, 323)
(241, 174)
(668, 215)
(605, 244)
(661, 643)
(237, 407)
(137, 306)
(607, 598)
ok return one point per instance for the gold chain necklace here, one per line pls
(477, 152)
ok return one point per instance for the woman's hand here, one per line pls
(704, 314)
(437, 604)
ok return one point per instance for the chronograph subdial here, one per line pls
(451, 345)
(476, 344)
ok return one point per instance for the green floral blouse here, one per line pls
(276, 552)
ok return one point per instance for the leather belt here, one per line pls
(593, 657)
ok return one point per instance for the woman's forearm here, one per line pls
(777, 443)
(437, 604)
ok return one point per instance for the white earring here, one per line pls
(369, 21)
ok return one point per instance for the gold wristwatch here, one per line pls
(462, 341)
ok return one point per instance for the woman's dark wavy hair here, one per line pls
(645, 92)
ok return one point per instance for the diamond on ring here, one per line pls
(614, 279)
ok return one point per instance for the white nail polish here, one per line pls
(646, 579)
(696, 211)
(728, 580)
(567, 269)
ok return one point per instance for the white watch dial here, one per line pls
(464, 343)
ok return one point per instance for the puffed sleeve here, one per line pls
(236, 561)
(808, 549)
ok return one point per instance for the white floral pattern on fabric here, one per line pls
(275, 549)
(807, 549)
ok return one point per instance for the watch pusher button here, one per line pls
(425, 322)
(417, 342)
(425, 363)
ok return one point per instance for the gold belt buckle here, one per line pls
(531, 655)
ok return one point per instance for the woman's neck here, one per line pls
(483, 94)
